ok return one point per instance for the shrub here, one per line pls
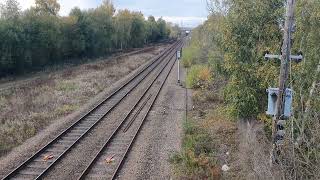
(196, 160)
(14, 134)
(199, 76)
(189, 56)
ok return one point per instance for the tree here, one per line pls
(123, 24)
(138, 30)
(162, 27)
(108, 7)
(51, 7)
(10, 10)
(246, 37)
(11, 39)
(175, 31)
(153, 31)
(38, 37)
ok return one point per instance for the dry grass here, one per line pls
(209, 138)
(27, 109)
(251, 158)
(242, 145)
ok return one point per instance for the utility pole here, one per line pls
(286, 57)
(279, 119)
(280, 99)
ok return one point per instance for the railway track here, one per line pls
(37, 166)
(111, 156)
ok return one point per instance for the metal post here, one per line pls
(186, 94)
(178, 58)
(178, 71)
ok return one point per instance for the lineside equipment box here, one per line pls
(273, 94)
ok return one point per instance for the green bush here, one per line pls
(190, 55)
(199, 76)
(196, 158)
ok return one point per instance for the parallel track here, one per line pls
(36, 167)
(120, 142)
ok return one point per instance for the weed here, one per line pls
(65, 109)
(197, 157)
(189, 56)
(199, 76)
(267, 124)
(3, 102)
(15, 133)
(66, 86)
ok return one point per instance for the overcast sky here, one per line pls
(188, 13)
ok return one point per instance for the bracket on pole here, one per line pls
(297, 58)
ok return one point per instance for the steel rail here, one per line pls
(141, 125)
(123, 121)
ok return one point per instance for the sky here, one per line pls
(186, 13)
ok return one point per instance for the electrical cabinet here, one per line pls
(273, 94)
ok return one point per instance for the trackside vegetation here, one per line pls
(231, 45)
(38, 36)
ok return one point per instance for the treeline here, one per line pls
(232, 42)
(38, 37)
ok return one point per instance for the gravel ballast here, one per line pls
(160, 136)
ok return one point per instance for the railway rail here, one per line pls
(37, 166)
(111, 156)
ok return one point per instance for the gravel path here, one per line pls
(160, 137)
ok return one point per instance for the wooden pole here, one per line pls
(285, 62)
(285, 59)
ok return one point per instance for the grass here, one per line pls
(65, 109)
(27, 109)
(199, 76)
(15, 133)
(207, 131)
(66, 86)
(197, 157)
(3, 102)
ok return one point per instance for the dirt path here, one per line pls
(252, 161)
